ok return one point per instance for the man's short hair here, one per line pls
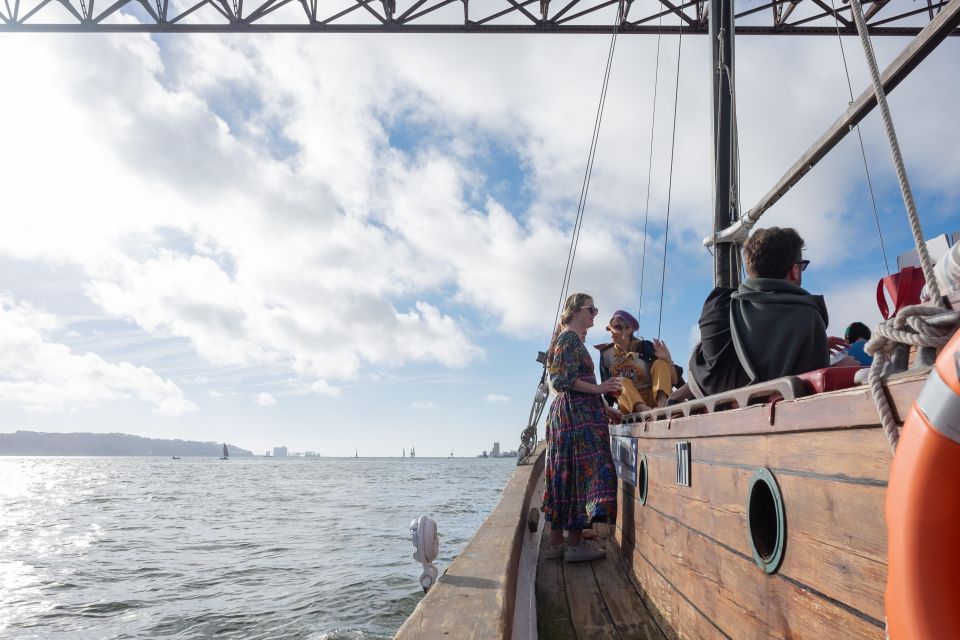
(769, 253)
(856, 331)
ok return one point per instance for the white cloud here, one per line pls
(324, 388)
(423, 405)
(43, 376)
(496, 397)
(265, 400)
(263, 210)
(853, 301)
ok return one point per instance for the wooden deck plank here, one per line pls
(553, 614)
(588, 612)
(623, 602)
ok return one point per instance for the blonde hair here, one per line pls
(571, 306)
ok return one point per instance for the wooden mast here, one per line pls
(726, 259)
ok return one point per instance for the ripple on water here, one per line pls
(314, 549)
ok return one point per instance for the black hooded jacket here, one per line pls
(766, 329)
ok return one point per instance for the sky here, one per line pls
(344, 243)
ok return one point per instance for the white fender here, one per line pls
(426, 547)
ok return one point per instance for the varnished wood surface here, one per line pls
(591, 600)
(688, 547)
(475, 596)
(826, 411)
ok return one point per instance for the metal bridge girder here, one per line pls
(769, 17)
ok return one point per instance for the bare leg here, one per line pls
(573, 537)
(556, 536)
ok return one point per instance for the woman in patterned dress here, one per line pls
(581, 483)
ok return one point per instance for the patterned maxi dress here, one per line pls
(581, 483)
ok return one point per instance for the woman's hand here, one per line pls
(660, 350)
(611, 386)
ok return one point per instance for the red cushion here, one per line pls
(829, 379)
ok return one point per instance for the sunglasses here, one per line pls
(803, 264)
(615, 327)
(593, 310)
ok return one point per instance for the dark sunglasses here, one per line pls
(593, 310)
(615, 327)
(803, 264)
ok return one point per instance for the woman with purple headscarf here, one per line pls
(645, 368)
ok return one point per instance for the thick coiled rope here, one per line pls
(917, 325)
(925, 262)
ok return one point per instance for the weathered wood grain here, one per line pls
(674, 616)
(587, 609)
(836, 533)
(855, 455)
(623, 603)
(834, 410)
(733, 593)
(475, 597)
(553, 614)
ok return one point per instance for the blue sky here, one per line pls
(356, 243)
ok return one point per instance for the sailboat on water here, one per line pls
(413, 452)
(225, 455)
(756, 513)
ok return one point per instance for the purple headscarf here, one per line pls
(627, 318)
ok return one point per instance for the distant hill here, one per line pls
(34, 443)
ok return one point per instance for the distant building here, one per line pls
(267, 454)
(279, 452)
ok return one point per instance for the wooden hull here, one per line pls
(689, 549)
(488, 591)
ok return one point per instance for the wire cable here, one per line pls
(646, 210)
(863, 153)
(673, 146)
(584, 189)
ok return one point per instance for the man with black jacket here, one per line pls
(769, 327)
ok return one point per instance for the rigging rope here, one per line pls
(863, 153)
(528, 436)
(925, 262)
(919, 325)
(653, 121)
(581, 206)
(673, 145)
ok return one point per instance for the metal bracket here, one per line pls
(683, 464)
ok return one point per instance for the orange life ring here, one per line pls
(923, 511)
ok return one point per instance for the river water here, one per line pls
(314, 548)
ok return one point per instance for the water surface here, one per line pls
(313, 548)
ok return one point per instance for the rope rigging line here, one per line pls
(918, 325)
(673, 146)
(584, 189)
(653, 122)
(925, 262)
(863, 153)
(528, 437)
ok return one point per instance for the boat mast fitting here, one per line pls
(726, 257)
(943, 25)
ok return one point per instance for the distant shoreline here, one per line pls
(37, 443)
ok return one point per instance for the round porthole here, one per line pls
(642, 478)
(766, 523)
